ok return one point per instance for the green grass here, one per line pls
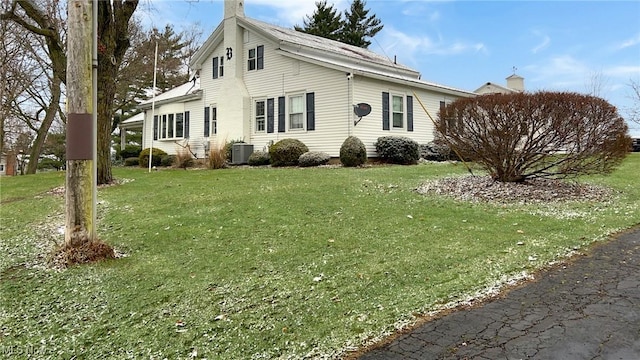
(271, 263)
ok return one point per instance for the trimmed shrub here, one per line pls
(313, 158)
(286, 152)
(167, 160)
(132, 161)
(436, 152)
(259, 158)
(398, 150)
(353, 152)
(156, 158)
(46, 164)
(130, 151)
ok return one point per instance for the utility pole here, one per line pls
(81, 176)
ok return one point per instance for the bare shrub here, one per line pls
(218, 157)
(183, 159)
(539, 135)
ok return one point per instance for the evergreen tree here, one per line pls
(325, 22)
(357, 26)
(135, 76)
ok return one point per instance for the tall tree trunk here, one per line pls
(106, 90)
(43, 130)
(113, 41)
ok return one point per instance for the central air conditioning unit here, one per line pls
(240, 153)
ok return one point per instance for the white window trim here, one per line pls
(163, 135)
(303, 95)
(254, 115)
(253, 59)
(213, 120)
(404, 111)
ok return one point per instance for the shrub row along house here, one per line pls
(261, 83)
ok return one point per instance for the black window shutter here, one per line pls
(260, 57)
(186, 124)
(206, 121)
(311, 112)
(215, 67)
(282, 126)
(155, 127)
(409, 113)
(270, 115)
(385, 111)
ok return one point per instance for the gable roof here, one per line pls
(325, 52)
(499, 87)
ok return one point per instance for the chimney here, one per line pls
(515, 82)
(233, 8)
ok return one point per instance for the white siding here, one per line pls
(283, 76)
(369, 129)
(196, 128)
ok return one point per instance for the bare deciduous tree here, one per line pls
(520, 136)
(34, 89)
(634, 110)
(113, 25)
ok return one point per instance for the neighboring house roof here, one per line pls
(135, 121)
(185, 92)
(498, 88)
(515, 76)
(325, 52)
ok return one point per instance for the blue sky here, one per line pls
(555, 45)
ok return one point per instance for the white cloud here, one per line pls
(544, 42)
(292, 12)
(411, 47)
(623, 71)
(629, 42)
(561, 72)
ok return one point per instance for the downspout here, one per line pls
(349, 102)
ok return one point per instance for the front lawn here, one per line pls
(262, 263)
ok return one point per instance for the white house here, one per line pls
(261, 83)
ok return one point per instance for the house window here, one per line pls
(163, 130)
(155, 127)
(171, 126)
(214, 120)
(296, 112)
(179, 125)
(252, 60)
(398, 111)
(260, 116)
(207, 121)
(218, 67)
(256, 58)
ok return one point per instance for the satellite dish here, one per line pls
(362, 109)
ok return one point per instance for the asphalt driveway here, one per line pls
(588, 308)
